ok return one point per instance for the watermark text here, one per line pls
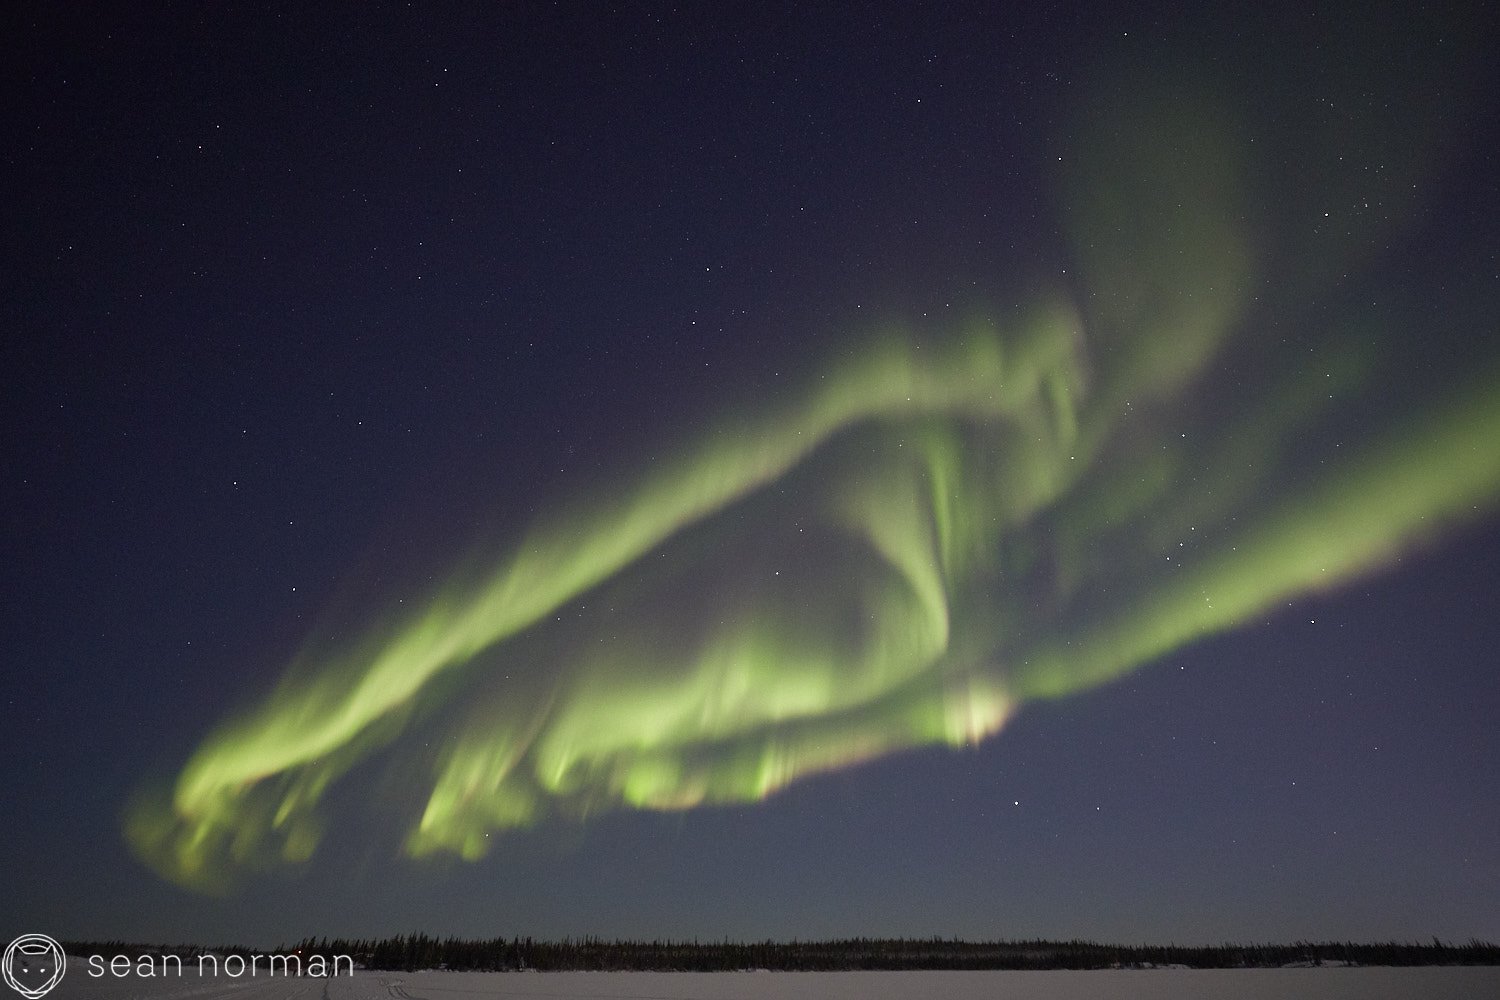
(233, 966)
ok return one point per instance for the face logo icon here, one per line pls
(34, 963)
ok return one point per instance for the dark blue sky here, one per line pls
(299, 304)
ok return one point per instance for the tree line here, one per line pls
(412, 952)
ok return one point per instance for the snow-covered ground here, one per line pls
(1227, 984)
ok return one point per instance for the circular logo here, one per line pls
(34, 963)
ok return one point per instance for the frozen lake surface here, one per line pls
(1221, 984)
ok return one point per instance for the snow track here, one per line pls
(1224, 984)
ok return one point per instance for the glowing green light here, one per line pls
(1019, 513)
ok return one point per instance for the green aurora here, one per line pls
(904, 549)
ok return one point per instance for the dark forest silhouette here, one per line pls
(414, 952)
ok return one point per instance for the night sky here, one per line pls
(765, 472)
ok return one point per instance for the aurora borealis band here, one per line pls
(917, 473)
(983, 517)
